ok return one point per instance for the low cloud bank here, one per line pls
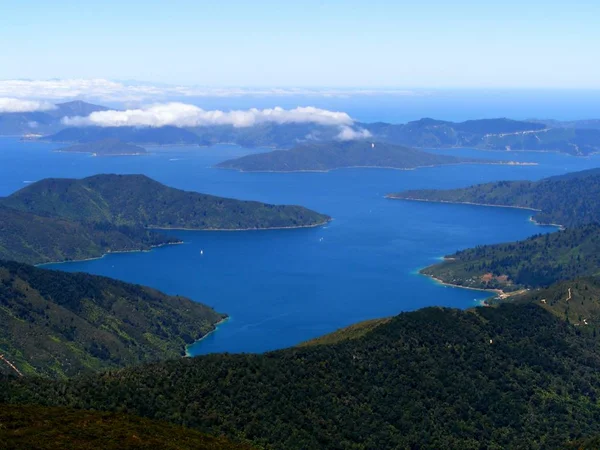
(185, 115)
(14, 105)
(350, 134)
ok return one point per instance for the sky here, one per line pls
(310, 43)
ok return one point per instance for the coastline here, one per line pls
(217, 325)
(244, 229)
(393, 197)
(492, 163)
(108, 253)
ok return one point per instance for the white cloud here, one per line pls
(15, 105)
(107, 90)
(349, 134)
(185, 115)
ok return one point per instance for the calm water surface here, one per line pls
(282, 287)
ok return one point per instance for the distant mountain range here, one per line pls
(574, 137)
(64, 219)
(336, 155)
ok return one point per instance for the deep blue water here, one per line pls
(285, 286)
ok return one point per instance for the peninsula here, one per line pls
(63, 219)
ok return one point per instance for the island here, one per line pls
(567, 200)
(322, 157)
(57, 324)
(65, 219)
(106, 147)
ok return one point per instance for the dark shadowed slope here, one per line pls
(43, 428)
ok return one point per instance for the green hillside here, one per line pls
(538, 261)
(148, 203)
(436, 378)
(66, 219)
(572, 199)
(61, 324)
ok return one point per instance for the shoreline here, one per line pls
(108, 253)
(443, 283)
(244, 229)
(498, 163)
(217, 325)
(393, 197)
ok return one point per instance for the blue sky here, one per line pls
(412, 44)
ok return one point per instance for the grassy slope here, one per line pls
(354, 331)
(432, 379)
(60, 324)
(41, 428)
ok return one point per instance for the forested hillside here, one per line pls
(436, 378)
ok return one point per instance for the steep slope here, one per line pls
(432, 379)
(336, 155)
(572, 199)
(61, 324)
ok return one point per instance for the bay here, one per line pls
(281, 287)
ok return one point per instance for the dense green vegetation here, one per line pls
(336, 155)
(34, 239)
(61, 324)
(41, 428)
(577, 301)
(106, 147)
(133, 135)
(534, 262)
(63, 219)
(151, 204)
(434, 379)
(572, 199)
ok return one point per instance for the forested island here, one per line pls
(322, 157)
(435, 378)
(106, 147)
(66, 219)
(59, 324)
